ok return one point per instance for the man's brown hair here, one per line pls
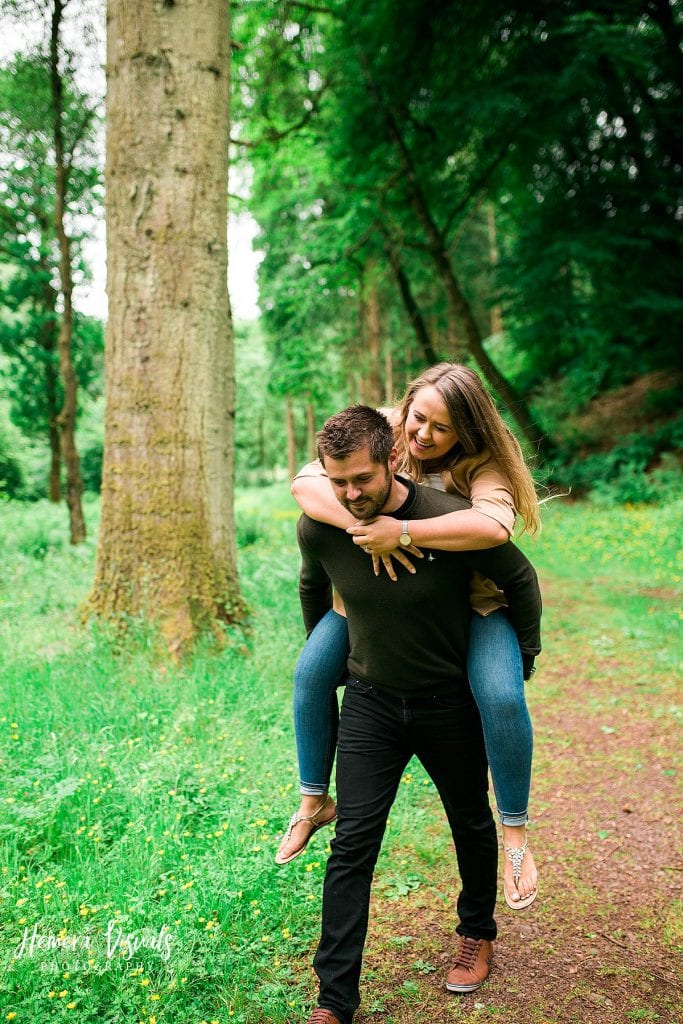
(354, 428)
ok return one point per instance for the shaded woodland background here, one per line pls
(485, 183)
(474, 182)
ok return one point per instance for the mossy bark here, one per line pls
(166, 547)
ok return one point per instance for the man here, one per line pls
(407, 693)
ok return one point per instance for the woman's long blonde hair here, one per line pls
(478, 425)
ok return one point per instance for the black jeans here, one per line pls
(377, 736)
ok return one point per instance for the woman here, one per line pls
(450, 435)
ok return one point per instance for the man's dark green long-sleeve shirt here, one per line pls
(410, 637)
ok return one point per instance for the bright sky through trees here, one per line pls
(242, 264)
(91, 298)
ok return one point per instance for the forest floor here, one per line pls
(602, 942)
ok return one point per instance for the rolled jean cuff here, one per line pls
(513, 820)
(313, 788)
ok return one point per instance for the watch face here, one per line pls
(405, 540)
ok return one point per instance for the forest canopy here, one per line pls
(488, 183)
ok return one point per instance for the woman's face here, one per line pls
(430, 433)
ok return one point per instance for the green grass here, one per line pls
(141, 798)
(614, 545)
(623, 565)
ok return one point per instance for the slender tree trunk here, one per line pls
(354, 376)
(357, 344)
(310, 431)
(48, 343)
(496, 312)
(371, 334)
(388, 373)
(167, 539)
(454, 347)
(415, 318)
(261, 445)
(462, 311)
(458, 304)
(352, 386)
(66, 420)
(55, 483)
(291, 438)
(664, 14)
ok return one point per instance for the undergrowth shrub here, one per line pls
(11, 476)
(643, 467)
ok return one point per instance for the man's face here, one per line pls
(361, 485)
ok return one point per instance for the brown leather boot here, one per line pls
(472, 966)
(321, 1016)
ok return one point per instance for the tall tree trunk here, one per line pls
(454, 347)
(354, 376)
(66, 420)
(167, 539)
(458, 304)
(388, 373)
(352, 386)
(48, 343)
(55, 482)
(291, 438)
(665, 15)
(462, 311)
(310, 431)
(371, 334)
(261, 435)
(415, 318)
(496, 312)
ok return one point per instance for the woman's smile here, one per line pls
(429, 429)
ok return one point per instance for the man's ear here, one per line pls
(393, 460)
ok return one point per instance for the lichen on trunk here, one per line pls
(166, 547)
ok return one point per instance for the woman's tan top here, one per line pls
(478, 479)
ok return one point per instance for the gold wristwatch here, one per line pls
(405, 540)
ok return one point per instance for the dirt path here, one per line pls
(602, 944)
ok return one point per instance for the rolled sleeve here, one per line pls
(487, 487)
(314, 468)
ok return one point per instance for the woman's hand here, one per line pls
(400, 556)
(378, 536)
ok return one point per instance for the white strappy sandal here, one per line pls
(315, 822)
(516, 855)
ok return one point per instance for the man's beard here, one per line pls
(369, 507)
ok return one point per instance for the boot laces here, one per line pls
(469, 951)
(320, 1016)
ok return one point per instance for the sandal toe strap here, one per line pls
(296, 819)
(516, 855)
